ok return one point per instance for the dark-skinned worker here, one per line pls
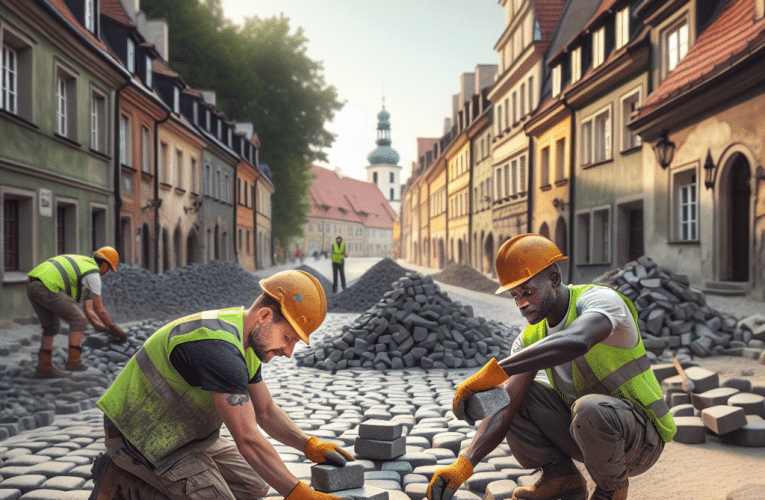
(164, 411)
(580, 384)
(54, 289)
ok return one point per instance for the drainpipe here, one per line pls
(571, 193)
(156, 189)
(530, 180)
(117, 174)
(236, 210)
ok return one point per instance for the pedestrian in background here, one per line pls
(339, 254)
(54, 289)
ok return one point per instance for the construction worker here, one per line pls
(339, 254)
(54, 288)
(164, 411)
(580, 384)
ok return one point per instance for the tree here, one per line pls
(261, 74)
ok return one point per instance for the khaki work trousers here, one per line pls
(611, 436)
(50, 306)
(219, 472)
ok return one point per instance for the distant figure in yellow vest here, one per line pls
(54, 289)
(339, 254)
(581, 387)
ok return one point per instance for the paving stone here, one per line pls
(417, 441)
(381, 430)
(750, 435)
(451, 441)
(753, 404)
(24, 483)
(383, 484)
(380, 450)
(664, 370)
(428, 470)
(500, 490)
(485, 404)
(364, 493)
(516, 474)
(713, 397)
(300, 470)
(397, 495)
(505, 462)
(723, 418)
(426, 432)
(26, 460)
(400, 467)
(416, 491)
(679, 398)
(465, 495)
(51, 468)
(703, 379)
(66, 483)
(328, 478)
(417, 459)
(10, 494)
(413, 479)
(686, 410)
(690, 430)
(479, 481)
(83, 471)
(50, 494)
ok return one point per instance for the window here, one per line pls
(676, 41)
(227, 188)
(594, 236)
(149, 72)
(518, 172)
(66, 103)
(130, 59)
(125, 141)
(544, 167)
(622, 27)
(686, 205)
(598, 47)
(515, 108)
(240, 239)
(217, 186)
(629, 138)
(374, 177)
(11, 234)
(392, 194)
(531, 94)
(90, 18)
(10, 80)
(145, 150)
(194, 176)
(178, 181)
(208, 181)
(66, 227)
(560, 159)
(177, 101)
(557, 79)
(596, 138)
(16, 85)
(97, 122)
(586, 142)
(576, 64)
(392, 178)
(523, 100)
(498, 120)
(507, 185)
(164, 164)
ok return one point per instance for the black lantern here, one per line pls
(709, 171)
(665, 150)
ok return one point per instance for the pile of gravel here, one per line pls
(466, 277)
(368, 289)
(674, 318)
(325, 283)
(415, 324)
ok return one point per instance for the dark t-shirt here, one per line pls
(213, 365)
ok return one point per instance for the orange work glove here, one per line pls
(319, 452)
(116, 332)
(448, 480)
(303, 492)
(486, 378)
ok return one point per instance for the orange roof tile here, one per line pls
(548, 14)
(61, 7)
(425, 144)
(114, 10)
(162, 68)
(727, 37)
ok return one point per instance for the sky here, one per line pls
(412, 52)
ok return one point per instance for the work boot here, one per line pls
(620, 494)
(559, 481)
(74, 364)
(45, 368)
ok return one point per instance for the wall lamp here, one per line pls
(153, 204)
(559, 203)
(665, 150)
(194, 207)
(709, 171)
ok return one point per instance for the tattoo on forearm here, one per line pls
(237, 399)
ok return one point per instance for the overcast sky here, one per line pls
(411, 51)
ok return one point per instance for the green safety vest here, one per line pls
(338, 253)
(621, 373)
(154, 407)
(65, 272)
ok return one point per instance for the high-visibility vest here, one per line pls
(338, 252)
(604, 369)
(65, 272)
(163, 416)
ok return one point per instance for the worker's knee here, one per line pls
(78, 324)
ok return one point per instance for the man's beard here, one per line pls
(258, 338)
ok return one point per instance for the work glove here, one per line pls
(303, 492)
(488, 377)
(319, 452)
(448, 480)
(116, 332)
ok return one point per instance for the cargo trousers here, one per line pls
(50, 306)
(611, 436)
(219, 472)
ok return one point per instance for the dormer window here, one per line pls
(207, 120)
(677, 40)
(130, 61)
(598, 47)
(194, 112)
(149, 72)
(176, 100)
(90, 16)
(556, 79)
(219, 129)
(230, 138)
(622, 27)
(576, 64)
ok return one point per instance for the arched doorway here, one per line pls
(441, 253)
(177, 247)
(192, 245)
(145, 247)
(488, 253)
(738, 217)
(544, 230)
(165, 250)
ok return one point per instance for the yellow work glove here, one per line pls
(303, 492)
(319, 452)
(486, 378)
(448, 480)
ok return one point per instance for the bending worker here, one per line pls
(339, 253)
(54, 288)
(164, 412)
(580, 384)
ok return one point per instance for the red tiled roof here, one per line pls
(425, 144)
(162, 68)
(548, 14)
(114, 10)
(727, 37)
(346, 199)
(61, 7)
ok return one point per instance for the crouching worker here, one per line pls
(164, 412)
(580, 384)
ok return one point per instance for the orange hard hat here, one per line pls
(301, 298)
(521, 257)
(108, 254)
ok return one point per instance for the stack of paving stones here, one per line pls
(674, 318)
(466, 277)
(346, 481)
(367, 290)
(733, 411)
(415, 324)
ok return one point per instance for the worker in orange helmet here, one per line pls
(54, 288)
(580, 386)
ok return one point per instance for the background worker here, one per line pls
(339, 254)
(580, 385)
(163, 413)
(54, 288)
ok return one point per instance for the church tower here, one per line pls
(383, 168)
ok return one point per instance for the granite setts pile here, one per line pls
(367, 290)
(675, 318)
(414, 325)
(466, 277)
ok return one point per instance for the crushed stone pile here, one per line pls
(325, 283)
(368, 289)
(674, 318)
(466, 277)
(414, 325)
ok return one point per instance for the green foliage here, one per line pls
(261, 74)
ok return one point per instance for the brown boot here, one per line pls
(74, 364)
(45, 368)
(620, 494)
(559, 481)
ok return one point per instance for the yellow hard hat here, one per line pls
(301, 298)
(109, 254)
(521, 257)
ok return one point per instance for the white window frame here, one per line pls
(629, 139)
(560, 159)
(557, 79)
(176, 100)
(66, 102)
(544, 166)
(9, 79)
(149, 72)
(598, 47)
(145, 149)
(676, 49)
(17, 85)
(595, 235)
(125, 142)
(685, 191)
(130, 58)
(622, 28)
(98, 121)
(576, 64)
(90, 18)
(589, 152)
